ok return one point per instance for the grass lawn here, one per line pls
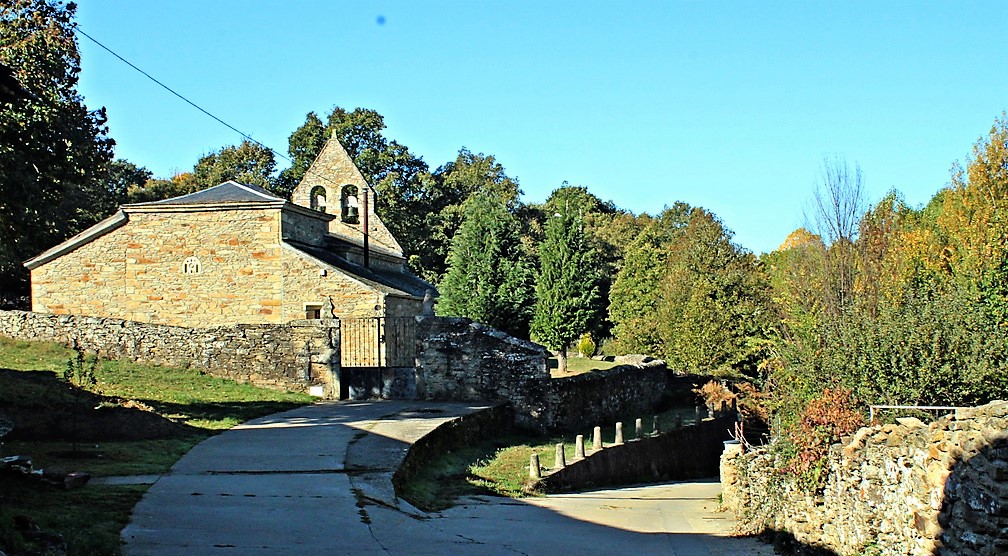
(182, 406)
(500, 466)
(579, 365)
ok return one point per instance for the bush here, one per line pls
(825, 420)
(586, 345)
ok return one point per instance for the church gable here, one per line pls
(334, 185)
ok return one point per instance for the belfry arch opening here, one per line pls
(350, 204)
(317, 198)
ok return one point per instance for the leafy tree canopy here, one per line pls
(54, 152)
(248, 163)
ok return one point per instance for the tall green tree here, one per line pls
(636, 291)
(687, 293)
(608, 230)
(567, 291)
(715, 310)
(54, 151)
(489, 277)
(442, 204)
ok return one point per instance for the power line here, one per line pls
(179, 95)
(247, 137)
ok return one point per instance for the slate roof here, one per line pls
(387, 281)
(227, 192)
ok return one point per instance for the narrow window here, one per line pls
(318, 198)
(348, 204)
(313, 312)
(192, 265)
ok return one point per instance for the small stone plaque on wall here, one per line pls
(192, 265)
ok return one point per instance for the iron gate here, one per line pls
(368, 345)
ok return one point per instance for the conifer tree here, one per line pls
(489, 277)
(567, 289)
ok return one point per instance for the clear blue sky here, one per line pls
(730, 106)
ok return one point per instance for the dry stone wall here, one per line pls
(458, 359)
(291, 356)
(904, 488)
(606, 396)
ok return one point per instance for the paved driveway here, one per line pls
(316, 480)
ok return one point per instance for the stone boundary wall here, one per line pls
(458, 359)
(907, 488)
(616, 393)
(463, 431)
(269, 355)
(689, 452)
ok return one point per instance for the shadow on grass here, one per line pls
(44, 408)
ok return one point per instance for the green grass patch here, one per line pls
(580, 365)
(88, 519)
(193, 404)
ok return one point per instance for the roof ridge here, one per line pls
(252, 189)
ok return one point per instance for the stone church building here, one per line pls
(236, 254)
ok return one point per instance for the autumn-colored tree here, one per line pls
(974, 219)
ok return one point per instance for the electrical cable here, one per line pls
(246, 136)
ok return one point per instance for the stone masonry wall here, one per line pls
(688, 452)
(290, 356)
(607, 396)
(458, 359)
(136, 272)
(908, 488)
(333, 170)
(247, 275)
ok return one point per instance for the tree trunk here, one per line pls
(562, 361)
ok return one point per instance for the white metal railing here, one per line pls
(872, 408)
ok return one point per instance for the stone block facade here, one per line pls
(905, 488)
(329, 183)
(197, 269)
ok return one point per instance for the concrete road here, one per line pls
(316, 480)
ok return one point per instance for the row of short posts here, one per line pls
(702, 412)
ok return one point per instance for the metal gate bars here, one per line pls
(370, 348)
(377, 342)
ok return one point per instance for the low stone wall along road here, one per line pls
(317, 480)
